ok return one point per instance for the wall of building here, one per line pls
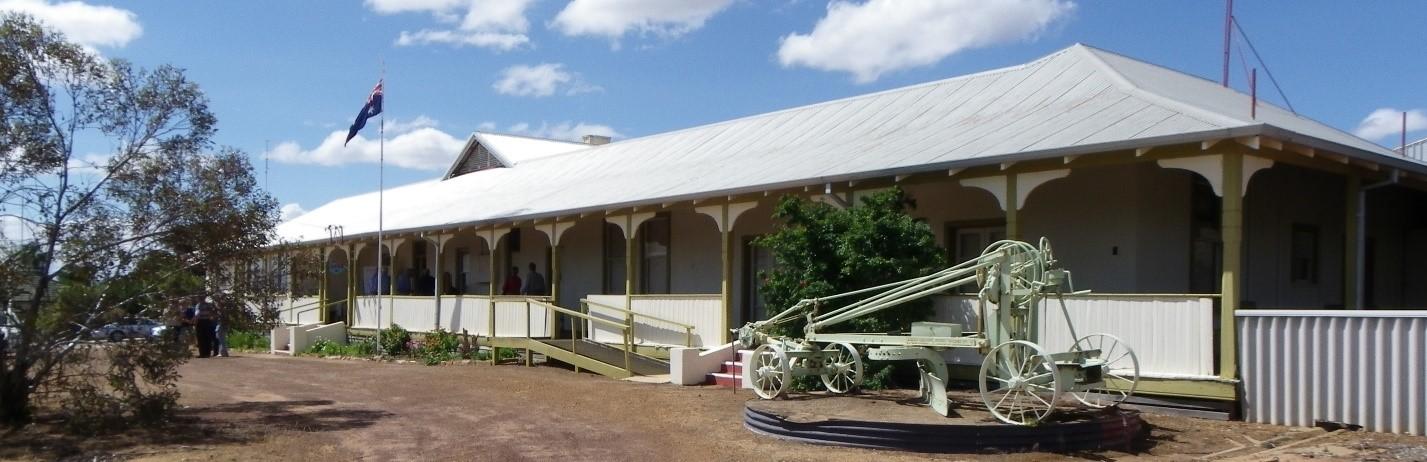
(477, 269)
(945, 202)
(1162, 249)
(581, 262)
(695, 255)
(1276, 200)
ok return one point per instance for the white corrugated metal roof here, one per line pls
(1077, 100)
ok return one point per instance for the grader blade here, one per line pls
(932, 368)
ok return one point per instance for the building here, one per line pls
(1178, 200)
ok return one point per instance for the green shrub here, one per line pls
(442, 340)
(323, 347)
(395, 341)
(439, 346)
(822, 250)
(361, 347)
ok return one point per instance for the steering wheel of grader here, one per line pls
(1020, 381)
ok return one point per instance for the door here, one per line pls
(756, 260)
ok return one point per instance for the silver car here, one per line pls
(128, 328)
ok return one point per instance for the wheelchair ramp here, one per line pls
(599, 358)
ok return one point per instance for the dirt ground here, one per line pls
(261, 407)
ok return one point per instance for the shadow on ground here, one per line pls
(190, 428)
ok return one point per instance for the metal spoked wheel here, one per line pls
(771, 371)
(1121, 370)
(846, 367)
(1018, 383)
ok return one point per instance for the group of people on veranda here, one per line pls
(534, 283)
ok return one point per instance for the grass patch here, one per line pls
(249, 341)
(359, 348)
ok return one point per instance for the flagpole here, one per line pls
(381, 191)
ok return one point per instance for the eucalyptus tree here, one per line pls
(117, 203)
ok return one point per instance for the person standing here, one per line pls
(220, 332)
(534, 282)
(512, 282)
(185, 322)
(203, 317)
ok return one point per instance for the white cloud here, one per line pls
(412, 6)
(541, 80)
(397, 126)
(494, 24)
(15, 230)
(291, 210)
(569, 131)
(415, 144)
(1388, 121)
(879, 36)
(493, 40)
(89, 164)
(614, 18)
(90, 25)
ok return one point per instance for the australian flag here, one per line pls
(369, 110)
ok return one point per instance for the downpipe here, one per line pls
(1361, 244)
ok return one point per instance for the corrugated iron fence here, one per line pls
(1365, 368)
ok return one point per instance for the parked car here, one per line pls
(128, 328)
(7, 332)
(9, 328)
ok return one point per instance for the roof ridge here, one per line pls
(517, 135)
(1188, 109)
(1193, 108)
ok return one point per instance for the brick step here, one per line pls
(732, 367)
(726, 380)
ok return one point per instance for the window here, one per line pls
(1303, 254)
(654, 256)
(966, 241)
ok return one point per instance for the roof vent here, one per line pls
(595, 140)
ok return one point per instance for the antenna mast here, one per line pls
(1228, 27)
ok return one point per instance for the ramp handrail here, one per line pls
(574, 338)
(313, 305)
(630, 314)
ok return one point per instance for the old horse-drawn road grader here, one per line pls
(1021, 382)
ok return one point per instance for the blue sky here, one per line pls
(287, 77)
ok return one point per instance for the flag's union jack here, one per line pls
(369, 110)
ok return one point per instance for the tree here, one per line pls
(821, 250)
(128, 206)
